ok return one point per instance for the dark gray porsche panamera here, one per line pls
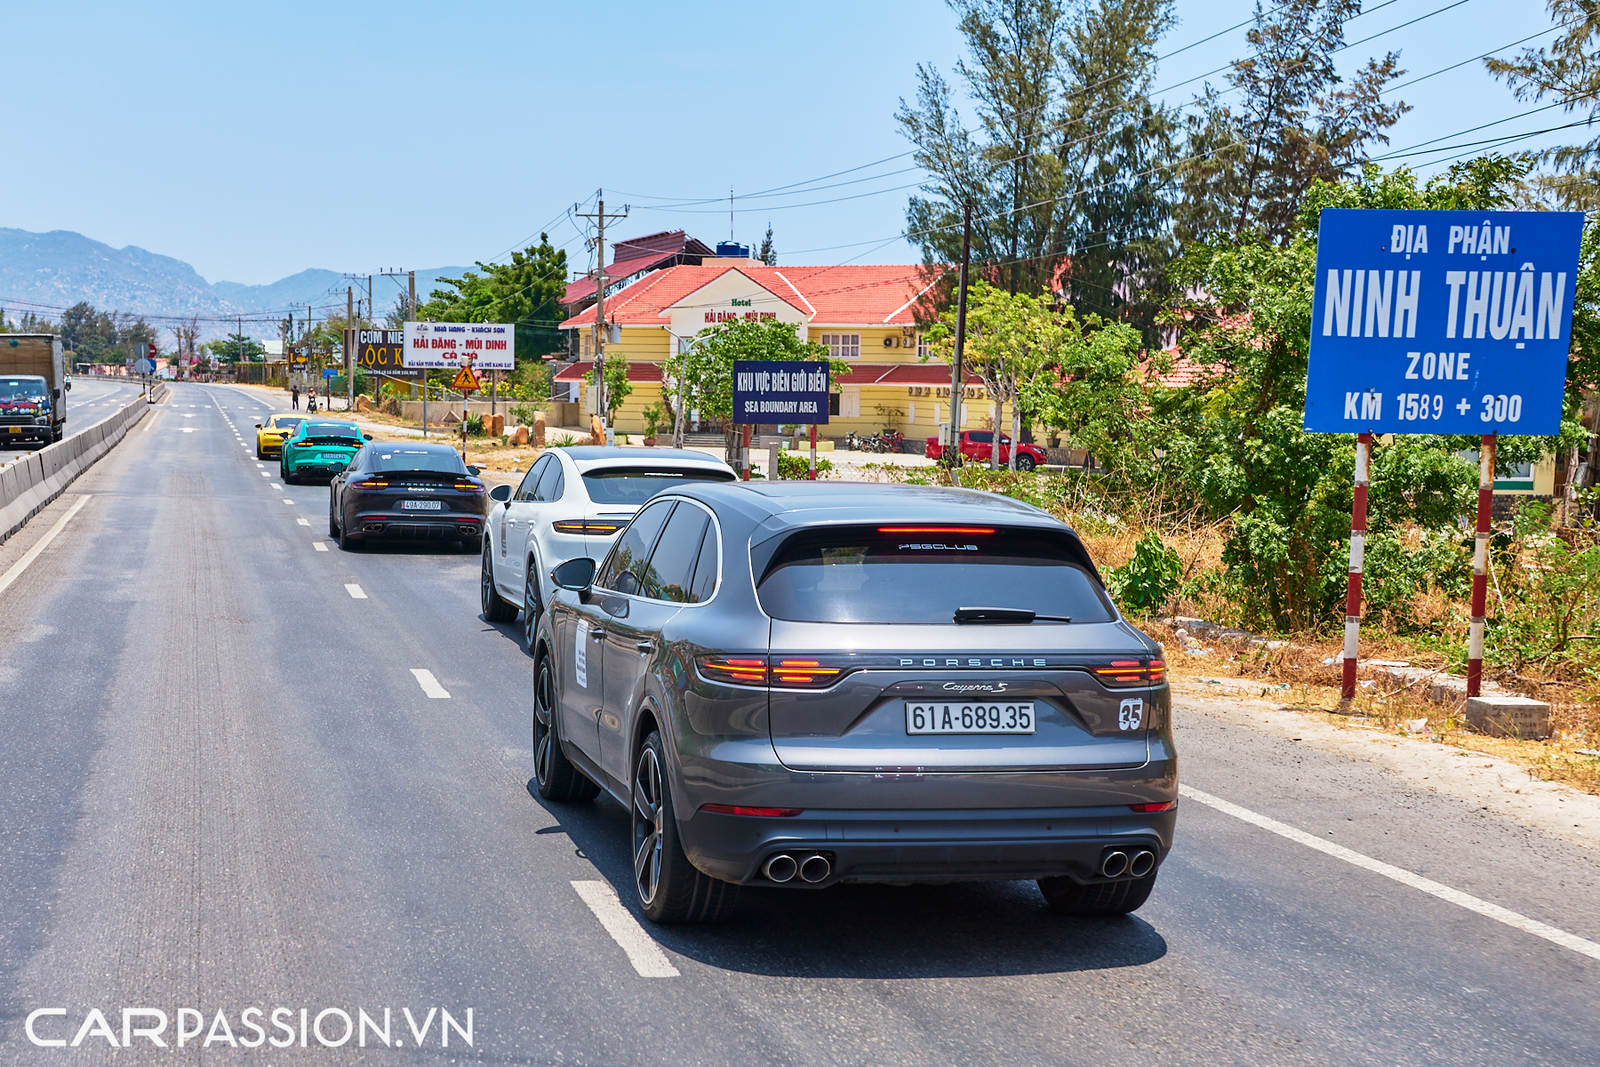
(798, 684)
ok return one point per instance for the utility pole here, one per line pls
(599, 215)
(349, 357)
(957, 374)
(411, 313)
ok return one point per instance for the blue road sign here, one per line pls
(1441, 321)
(144, 365)
(774, 391)
(330, 372)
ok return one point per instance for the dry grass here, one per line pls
(1295, 674)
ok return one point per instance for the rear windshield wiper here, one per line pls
(1005, 615)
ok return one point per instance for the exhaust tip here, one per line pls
(1141, 864)
(1115, 865)
(815, 868)
(780, 868)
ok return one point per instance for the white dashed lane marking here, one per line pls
(303, 522)
(319, 546)
(645, 955)
(430, 685)
(356, 593)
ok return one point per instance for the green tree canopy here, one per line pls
(705, 371)
(526, 291)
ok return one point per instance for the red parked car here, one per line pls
(976, 445)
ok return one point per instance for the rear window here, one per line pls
(635, 485)
(286, 424)
(923, 575)
(418, 459)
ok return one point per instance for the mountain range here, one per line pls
(60, 268)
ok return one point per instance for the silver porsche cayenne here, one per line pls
(800, 684)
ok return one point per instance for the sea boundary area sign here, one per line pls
(780, 391)
(1454, 322)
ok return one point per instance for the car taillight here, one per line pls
(369, 484)
(936, 529)
(1151, 809)
(774, 672)
(469, 487)
(741, 670)
(1131, 672)
(760, 813)
(586, 526)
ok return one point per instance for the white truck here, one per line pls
(33, 388)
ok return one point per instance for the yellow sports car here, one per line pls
(270, 434)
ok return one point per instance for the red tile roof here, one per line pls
(635, 255)
(923, 374)
(637, 371)
(846, 295)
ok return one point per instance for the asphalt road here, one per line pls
(225, 786)
(93, 400)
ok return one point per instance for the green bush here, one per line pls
(1149, 579)
(523, 414)
(1545, 608)
(794, 465)
(474, 425)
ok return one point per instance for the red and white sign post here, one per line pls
(1358, 546)
(1480, 565)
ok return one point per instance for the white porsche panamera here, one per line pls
(572, 503)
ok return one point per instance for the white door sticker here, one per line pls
(580, 654)
(1130, 714)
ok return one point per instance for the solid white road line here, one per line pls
(1582, 946)
(430, 685)
(645, 955)
(16, 569)
(319, 546)
(356, 594)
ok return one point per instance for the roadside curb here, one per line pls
(30, 484)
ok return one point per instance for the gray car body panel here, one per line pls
(886, 806)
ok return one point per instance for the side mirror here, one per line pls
(472, 470)
(366, 437)
(575, 575)
(500, 494)
(258, 426)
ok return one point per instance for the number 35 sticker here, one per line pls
(1130, 714)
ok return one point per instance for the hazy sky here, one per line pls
(258, 140)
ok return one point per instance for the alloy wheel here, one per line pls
(486, 583)
(531, 607)
(543, 697)
(647, 838)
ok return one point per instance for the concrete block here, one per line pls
(520, 436)
(538, 431)
(497, 424)
(1508, 716)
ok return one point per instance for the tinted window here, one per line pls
(443, 460)
(626, 562)
(286, 424)
(865, 575)
(705, 569)
(671, 571)
(635, 485)
(548, 481)
(981, 437)
(530, 481)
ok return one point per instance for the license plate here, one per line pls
(13, 429)
(422, 505)
(969, 717)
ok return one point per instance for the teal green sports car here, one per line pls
(319, 450)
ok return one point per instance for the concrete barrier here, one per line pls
(34, 481)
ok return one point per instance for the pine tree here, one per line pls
(1249, 166)
(1568, 72)
(767, 253)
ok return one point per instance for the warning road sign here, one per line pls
(466, 381)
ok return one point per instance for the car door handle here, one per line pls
(643, 646)
(595, 635)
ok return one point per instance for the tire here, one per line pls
(346, 542)
(260, 454)
(333, 526)
(495, 607)
(1098, 899)
(553, 774)
(669, 888)
(1025, 463)
(532, 607)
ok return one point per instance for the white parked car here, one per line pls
(572, 503)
